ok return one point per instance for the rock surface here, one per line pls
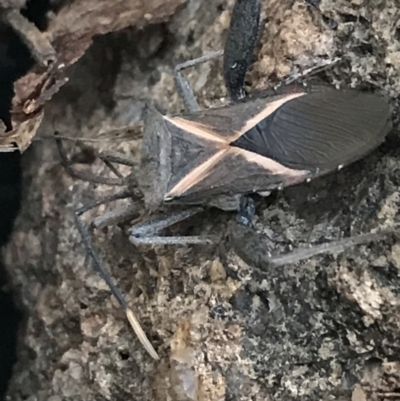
(325, 329)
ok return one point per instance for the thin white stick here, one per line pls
(141, 335)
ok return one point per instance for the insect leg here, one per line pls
(330, 247)
(182, 85)
(240, 44)
(111, 166)
(109, 157)
(102, 272)
(117, 215)
(247, 211)
(106, 199)
(144, 233)
(85, 175)
(173, 240)
(39, 46)
(256, 250)
(117, 157)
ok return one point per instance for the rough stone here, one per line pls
(325, 329)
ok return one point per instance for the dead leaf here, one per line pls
(70, 33)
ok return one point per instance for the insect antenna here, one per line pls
(101, 271)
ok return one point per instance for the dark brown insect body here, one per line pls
(257, 145)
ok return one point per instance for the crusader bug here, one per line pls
(218, 157)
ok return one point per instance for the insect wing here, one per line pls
(322, 130)
(283, 140)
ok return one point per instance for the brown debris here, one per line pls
(68, 36)
(39, 46)
(22, 134)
